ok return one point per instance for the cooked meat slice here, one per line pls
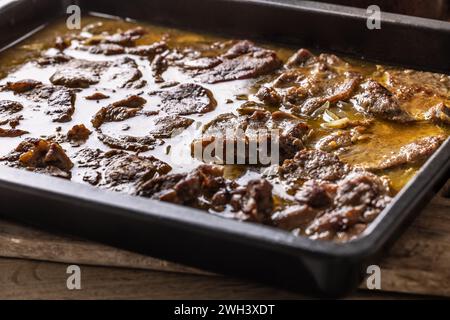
(185, 99)
(169, 126)
(22, 85)
(8, 109)
(255, 201)
(118, 170)
(313, 164)
(125, 39)
(108, 49)
(124, 171)
(360, 197)
(61, 103)
(119, 110)
(249, 134)
(97, 96)
(130, 143)
(78, 133)
(58, 58)
(439, 114)
(269, 96)
(293, 217)
(242, 61)
(299, 59)
(126, 73)
(79, 73)
(336, 140)
(8, 114)
(293, 135)
(206, 188)
(60, 100)
(158, 66)
(376, 100)
(340, 140)
(190, 189)
(41, 156)
(161, 187)
(316, 89)
(11, 133)
(316, 193)
(414, 153)
(417, 91)
(201, 63)
(149, 50)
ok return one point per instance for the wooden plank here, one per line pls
(418, 263)
(28, 279)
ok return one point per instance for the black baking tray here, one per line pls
(190, 236)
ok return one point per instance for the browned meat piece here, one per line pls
(130, 143)
(206, 188)
(108, 49)
(439, 114)
(79, 133)
(293, 217)
(11, 133)
(193, 189)
(127, 74)
(336, 205)
(376, 100)
(269, 96)
(310, 82)
(169, 126)
(417, 91)
(123, 170)
(8, 109)
(159, 65)
(252, 128)
(53, 59)
(202, 63)
(79, 73)
(313, 164)
(97, 96)
(150, 50)
(360, 197)
(185, 99)
(22, 85)
(125, 39)
(316, 193)
(336, 140)
(60, 100)
(119, 111)
(118, 170)
(41, 156)
(315, 90)
(60, 103)
(255, 201)
(242, 61)
(341, 140)
(293, 135)
(300, 59)
(414, 153)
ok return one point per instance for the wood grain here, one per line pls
(417, 264)
(28, 279)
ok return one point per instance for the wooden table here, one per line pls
(33, 264)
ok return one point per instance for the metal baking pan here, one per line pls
(190, 236)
